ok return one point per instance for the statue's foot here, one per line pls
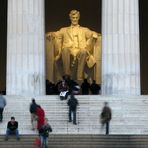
(73, 63)
(80, 78)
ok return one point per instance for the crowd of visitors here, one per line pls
(68, 84)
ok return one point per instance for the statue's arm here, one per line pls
(58, 48)
(57, 38)
(92, 47)
(91, 37)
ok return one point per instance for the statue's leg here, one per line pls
(81, 63)
(66, 61)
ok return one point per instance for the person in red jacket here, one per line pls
(41, 117)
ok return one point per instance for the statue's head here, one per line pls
(74, 17)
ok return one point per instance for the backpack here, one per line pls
(45, 130)
(45, 133)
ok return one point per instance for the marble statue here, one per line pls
(76, 47)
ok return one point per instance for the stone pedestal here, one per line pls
(25, 48)
(120, 47)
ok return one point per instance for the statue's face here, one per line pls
(74, 19)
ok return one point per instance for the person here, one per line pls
(12, 128)
(95, 88)
(63, 89)
(50, 88)
(44, 134)
(2, 106)
(106, 116)
(72, 103)
(33, 108)
(85, 86)
(74, 43)
(73, 86)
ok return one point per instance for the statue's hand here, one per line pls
(95, 35)
(50, 36)
(57, 58)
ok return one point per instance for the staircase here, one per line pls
(80, 141)
(130, 114)
(130, 117)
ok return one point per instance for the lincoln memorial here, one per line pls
(27, 25)
(112, 38)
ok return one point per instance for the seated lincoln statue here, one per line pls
(74, 51)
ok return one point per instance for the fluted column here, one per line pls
(25, 48)
(120, 47)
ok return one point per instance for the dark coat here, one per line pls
(106, 114)
(72, 103)
(33, 107)
(85, 88)
(12, 126)
(44, 130)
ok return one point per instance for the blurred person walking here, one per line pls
(106, 116)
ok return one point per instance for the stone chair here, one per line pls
(54, 70)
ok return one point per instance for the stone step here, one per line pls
(129, 114)
(79, 141)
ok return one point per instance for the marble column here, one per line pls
(120, 47)
(25, 48)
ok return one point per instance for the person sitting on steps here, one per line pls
(12, 129)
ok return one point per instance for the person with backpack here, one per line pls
(44, 134)
(72, 103)
(106, 116)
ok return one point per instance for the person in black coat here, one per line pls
(12, 128)
(32, 109)
(106, 116)
(85, 87)
(44, 133)
(72, 103)
(95, 88)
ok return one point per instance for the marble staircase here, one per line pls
(130, 114)
(80, 141)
